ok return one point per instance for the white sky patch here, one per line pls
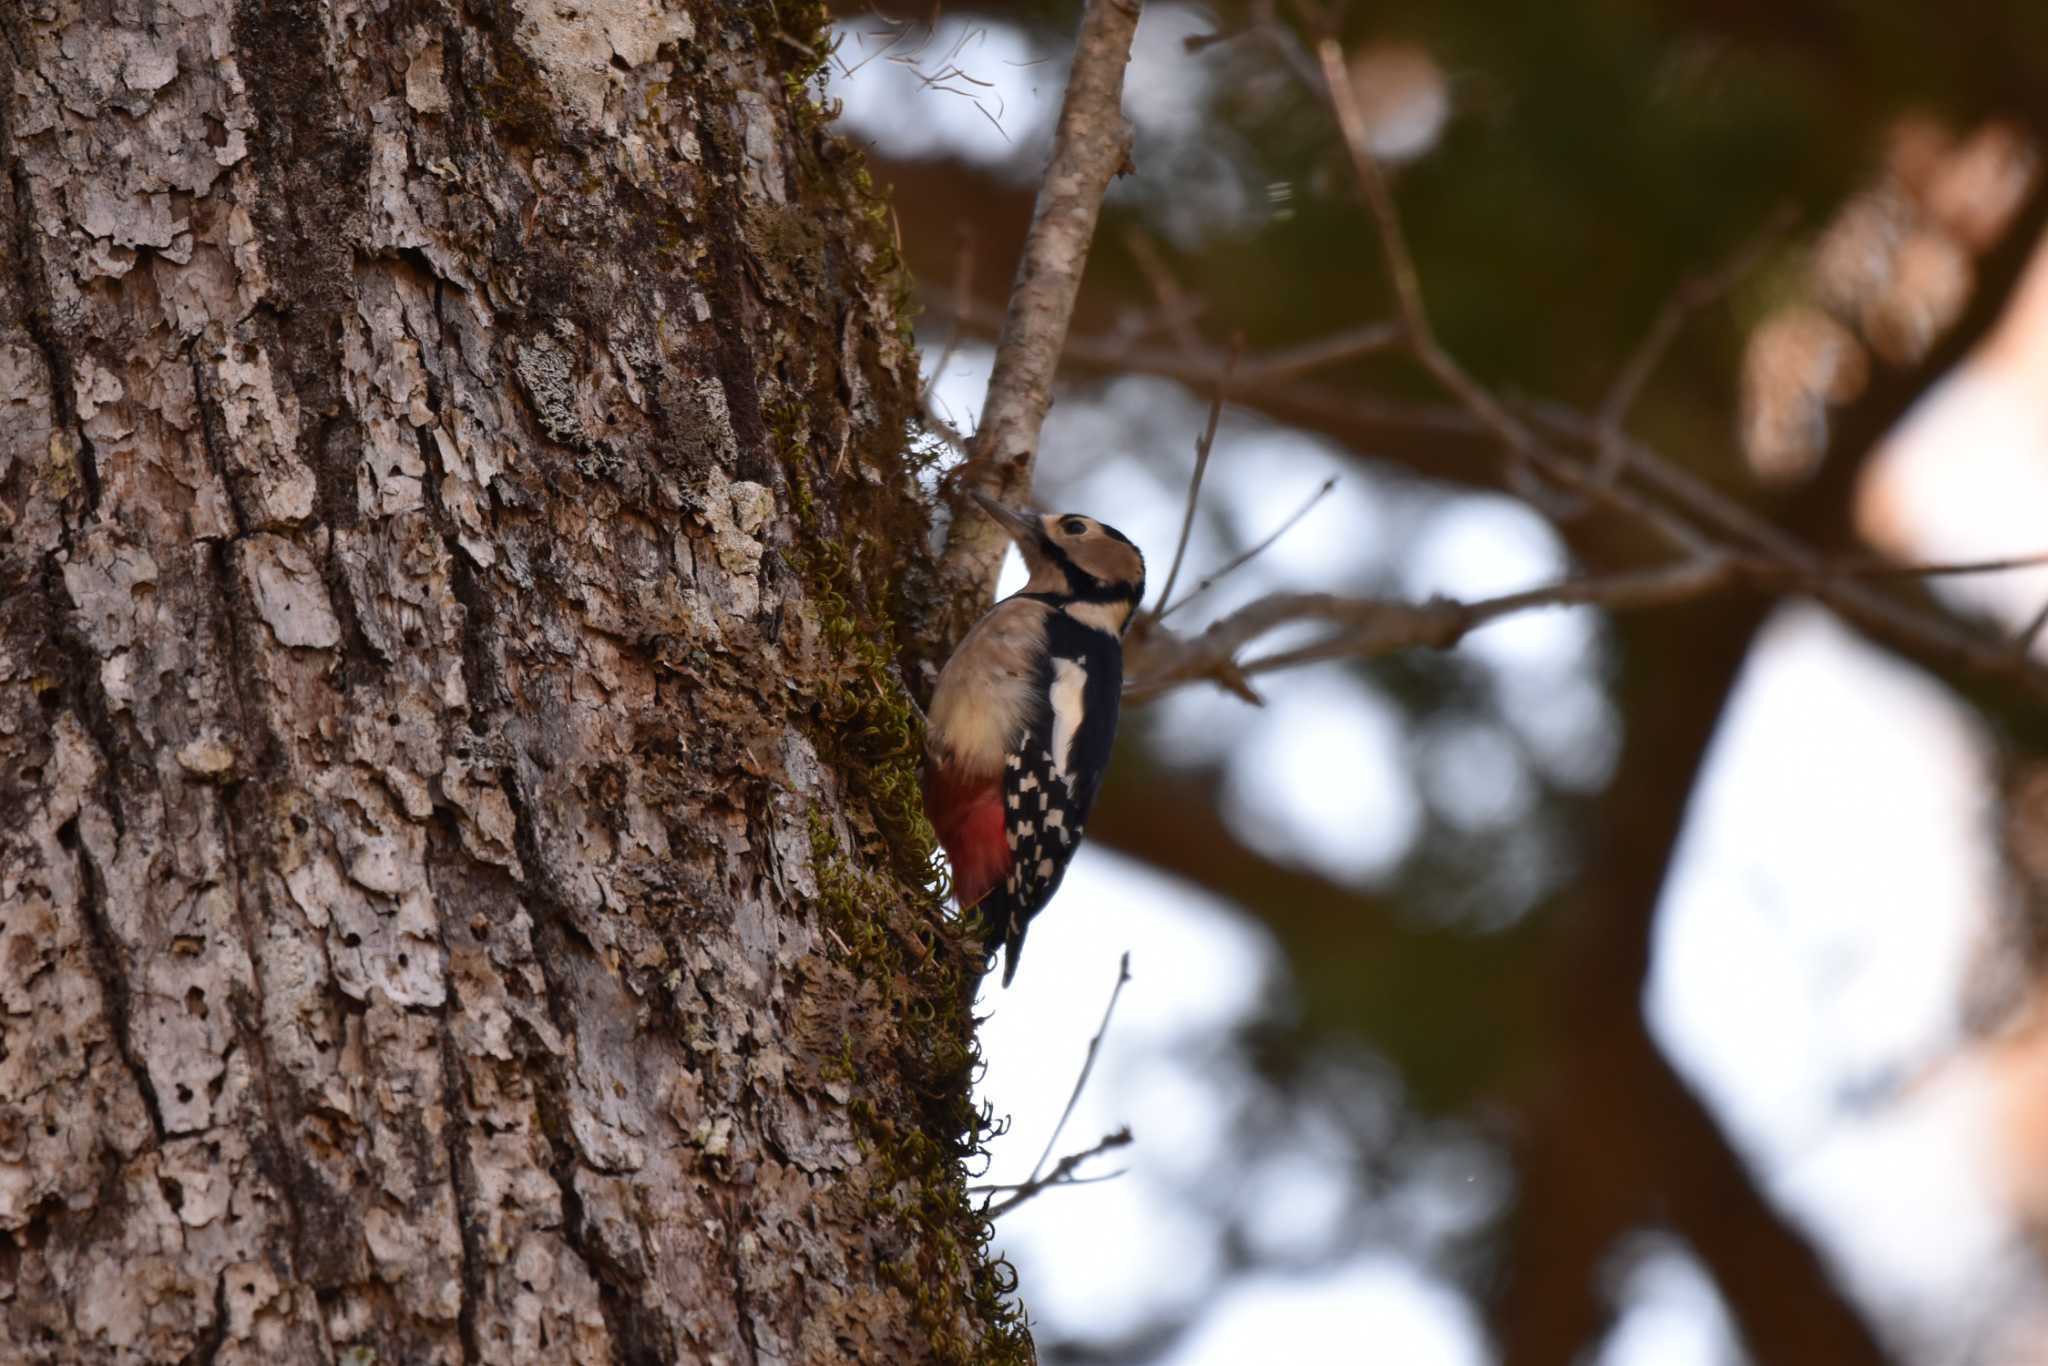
(1823, 907)
(1196, 969)
(1201, 724)
(1826, 897)
(1938, 497)
(1322, 779)
(1904, 1201)
(1380, 1309)
(1165, 90)
(1265, 476)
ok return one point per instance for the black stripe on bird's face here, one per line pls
(1098, 562)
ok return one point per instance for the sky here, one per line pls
(1830, 891)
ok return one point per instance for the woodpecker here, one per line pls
(1021, 722)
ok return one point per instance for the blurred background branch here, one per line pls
(1656, 964)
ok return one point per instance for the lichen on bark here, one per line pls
(461, 895)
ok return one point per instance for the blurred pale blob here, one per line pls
(1321, 780)
(1379, 1309)
(1799, 363)
(1669, 1313)
(1971, 187)
(1404, 96)
(1890, 273)
(1932, 279)
(1474, 776)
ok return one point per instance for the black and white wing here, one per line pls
(1051, 776)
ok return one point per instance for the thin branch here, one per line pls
(1123, 975)
(1366, 628)
(1177, 311)
(1062, 1174)
(1940, 569)
(1203, 445)
(1687, 514)
(1090, 146)
(1204, 366)
(1930, 636)
(1314, 355)
(1400, 263)
(1248, 556)
(2023, 643)
(1689, 298)
(938, 426)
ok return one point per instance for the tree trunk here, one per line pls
(461, 890)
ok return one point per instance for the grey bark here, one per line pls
(425, 792)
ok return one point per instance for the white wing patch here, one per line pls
(1069, 681)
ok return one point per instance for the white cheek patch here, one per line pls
(1069, 681)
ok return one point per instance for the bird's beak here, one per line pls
(1021, 525)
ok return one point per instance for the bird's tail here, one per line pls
(1013, 949)
(1003, 932)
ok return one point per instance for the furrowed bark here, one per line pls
(455, 867)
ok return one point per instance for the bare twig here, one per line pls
(929, 418)
(1689, 298)
(1687, 514)
(1238, 562)
(1407, 282)
(1062, 1174)
(2023, 643)
(1203, 366)
(1366, 628)
(1177, 310)
(1203, 445)
(1090, 145)
(1123, 975)
(1940, 569)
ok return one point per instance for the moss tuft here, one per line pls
(921, 1153)
(858, 550)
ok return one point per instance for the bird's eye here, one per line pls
(1074, 526)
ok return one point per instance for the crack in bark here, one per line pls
(38, 312)
(89, 705)
(106, 954)
(638, 1335)
(208, 1347)
(462, 1175)
(732, 342)
(741, 1298)
(273, 1155)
